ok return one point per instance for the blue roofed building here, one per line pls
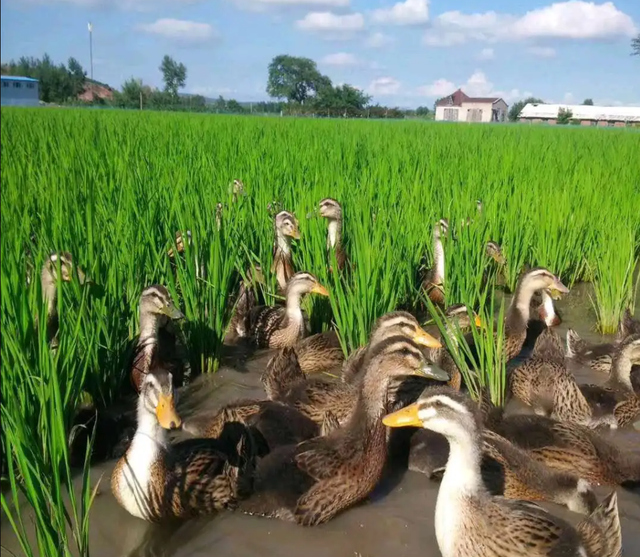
(19, 91)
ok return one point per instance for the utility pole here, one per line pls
(90, 26)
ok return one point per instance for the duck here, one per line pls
(157, 480)
(545, 384)
(518, 312)
(272, 424)
(286, 228)
(313, 481)
(569, 447)
(319, 397)
(388, 325)
(433, 282)
(158, 342)
(331, 210)
(628, 325)
(48, 282)
(320, 352)
(596, 356)
(245, 300)
(470, 521)
(280, 326)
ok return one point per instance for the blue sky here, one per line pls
(403, 53)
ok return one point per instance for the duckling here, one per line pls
(331, 210)
(280, 326)
(158, 480)
(470, 522)
(286, 227)
(180, 249)
(390, 324)
(158, 343)
(313, 481)
(236, 189)
(433, 282)
(48, 281)
(519, 310)
(245, 301)
(494, 251)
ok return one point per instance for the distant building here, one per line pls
(19, 91)
(586, 115)
(459, 107)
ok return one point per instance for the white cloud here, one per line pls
(179, 30)
(331, 25)
(574, 19)
(486, 54)
(476, 86)
(409, 12)
(542, 51)
(340, 59)
(377, 40)
(325, 3)
(384, 86)
(439, 88)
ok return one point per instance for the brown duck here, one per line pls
(156, 480)
(313, 481)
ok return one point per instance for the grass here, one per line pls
(113, 188)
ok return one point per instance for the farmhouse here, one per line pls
(586, 115)
(19, 91)
(459, 107)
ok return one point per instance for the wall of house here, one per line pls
(484, 107)
(464, 111)
(19, 93)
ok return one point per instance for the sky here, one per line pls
(404, 54)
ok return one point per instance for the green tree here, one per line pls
(77, 76)
(635, 46)
(587, 102)
(564, 116)
(174, 75)
(422, 111)
(294, 78)
(516, 108)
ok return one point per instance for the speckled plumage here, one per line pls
(596, 356)
(319, 352)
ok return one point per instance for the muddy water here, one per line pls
(396, 520)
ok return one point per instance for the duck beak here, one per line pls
(478, 321)
(558, 288)
(172, 312)
(319, 289)
(432, 371)
(295, 234)
(425, 339)
(407, 417)
(554, 293)
(166, 412)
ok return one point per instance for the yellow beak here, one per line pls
(407, 417)
(166, 413)
(295, 234)
(319, 289)
(478, 321)
(425, 339)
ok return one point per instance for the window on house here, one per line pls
(5, 84)
(451, 114)
(30, 86)
(16, 84)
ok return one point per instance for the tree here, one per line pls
(516, 108)
(422, 111)
(174, 75)
(635, 46)
(587, 102)
(294, 78)
(564, 116)
(77, 76)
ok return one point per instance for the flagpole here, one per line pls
(90, 26)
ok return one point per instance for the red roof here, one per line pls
(458, 97)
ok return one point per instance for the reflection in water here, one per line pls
(396, 520)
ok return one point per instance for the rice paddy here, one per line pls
(113, 188)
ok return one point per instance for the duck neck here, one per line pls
(294, 297)
(548, 308)
(621, 370)
(438, 257)
(283, 243)
(334, 233)
(49, 292)
(149, 327)
(148, 427)
(519, 310)
(462, 475)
